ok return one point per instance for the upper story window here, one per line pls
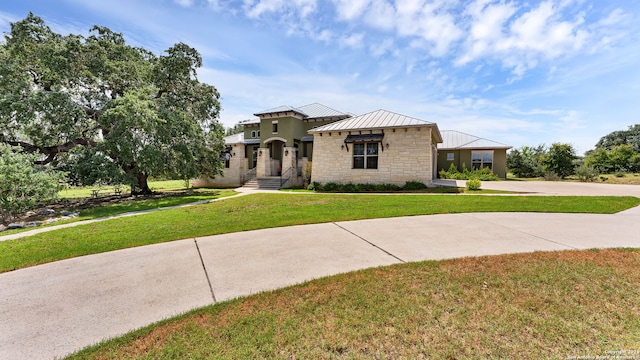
(365, 155)
(253, 133)
(450, 157)
(482, 159)
(274, 127)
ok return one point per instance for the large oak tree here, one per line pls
(69, 97)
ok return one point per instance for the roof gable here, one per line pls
(452, 139)
(317, 110)
(281, 109)
(378, 119)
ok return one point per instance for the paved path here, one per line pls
(53, 309)
(563, 188)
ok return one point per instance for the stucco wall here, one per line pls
(464, 157)
(408, 158)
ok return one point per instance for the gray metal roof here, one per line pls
(308, 138)
(234, 139)
(252, 141)
(280, 109)
(378, 119)
(317, 110)
(453, 140)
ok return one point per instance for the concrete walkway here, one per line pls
(51, 310)
(562, 188)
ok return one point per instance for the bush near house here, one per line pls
(484, 174)
(355, 188)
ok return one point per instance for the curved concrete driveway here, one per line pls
(562, 188)
(51, 310)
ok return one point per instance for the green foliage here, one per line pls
(355, 188)
(473, 184)
(630, 137)
(551, 176)
(484, 174)
(526, 162)
(414, 185)
(586, 173)
(146, 114)
(559, 159)
(23, 184)
(235, 129)
(619, 158)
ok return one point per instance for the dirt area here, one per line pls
(78, 204)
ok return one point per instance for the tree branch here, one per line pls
(51, 151)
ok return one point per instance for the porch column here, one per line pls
(263, 165)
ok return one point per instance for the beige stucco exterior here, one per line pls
(409, 156)
(463, 156)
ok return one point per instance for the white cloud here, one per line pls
(353, 41)
(522, 38)
(302, 8)
(351, 9)
(381, 48)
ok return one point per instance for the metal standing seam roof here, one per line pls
(280, 109)
(234, 139)
(378, 119)
(452, 139)
(317, 110)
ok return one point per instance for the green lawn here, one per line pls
(84, 192)
(272, 210)
(130, 205)
(544, 305)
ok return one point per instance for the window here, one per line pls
(227, 160)
(274, 127)
(482, 159)
(365, 155)
(450, 156)
(253, 133)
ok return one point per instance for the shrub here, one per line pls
(619, 174)
(484, 174)
(414, 185)
(551, 176)
(23, 184)
(473, 184)
(586, 173)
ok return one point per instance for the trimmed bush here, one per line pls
(473, 184)
(414, 185)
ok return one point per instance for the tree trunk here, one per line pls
(142, 185)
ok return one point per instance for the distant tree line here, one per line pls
(617, 152)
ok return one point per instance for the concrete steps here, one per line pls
(266, 183)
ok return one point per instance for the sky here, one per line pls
(522, 73)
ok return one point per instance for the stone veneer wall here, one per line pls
(408, 158)
(232, 176)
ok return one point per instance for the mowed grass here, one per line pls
(260, 211)
(126, 205)
(552, 305)
(85, 191)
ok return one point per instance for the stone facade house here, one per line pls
(460, 149)
(375, 148)
(379, 147)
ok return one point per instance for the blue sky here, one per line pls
(517, 72)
